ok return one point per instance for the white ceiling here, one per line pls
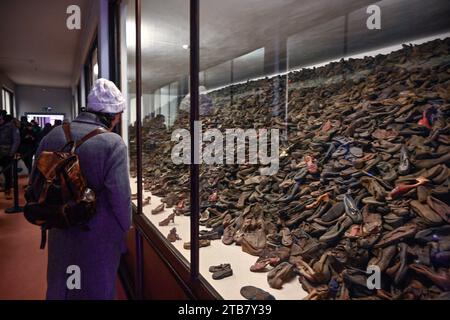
(311, 30)
(36, 48)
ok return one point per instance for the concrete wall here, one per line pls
(34, 99)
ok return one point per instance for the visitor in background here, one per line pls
(9, 144)
(47, 128)
(15, 121)
(23, 121)
(57, 123)
(28, 144)
(36, 128)
(205, 102)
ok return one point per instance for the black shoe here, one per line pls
(351, 209)
(404, 165)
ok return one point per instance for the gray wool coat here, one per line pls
(97, 251)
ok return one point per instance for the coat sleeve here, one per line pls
(117, 185)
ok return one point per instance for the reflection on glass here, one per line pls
(354, 122)
(129, 118)
(95, 72)
(165, 72)
(360, 114)
(94, 66)
(248, 66)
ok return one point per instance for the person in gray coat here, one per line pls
(83, 264)
(9, 143)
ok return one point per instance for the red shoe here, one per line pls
(213, 197)
(424, 121)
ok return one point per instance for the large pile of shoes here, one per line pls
(363, 179)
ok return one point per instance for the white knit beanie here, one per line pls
(105, 97)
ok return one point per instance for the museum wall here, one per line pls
(34, 99)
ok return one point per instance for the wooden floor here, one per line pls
(23, 266)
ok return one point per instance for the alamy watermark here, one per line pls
(73, 281)
(374, 20)
(230, 149)
(374, 278)
(73, 21)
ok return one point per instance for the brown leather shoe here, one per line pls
(374, 188)
(243, 198)
(158, 209)
(337, 230)
(254, 293)
(228, 235)
(383, 257)
(322, 269)
(222, 266)
(323, 198)
(281, 274)
(441, 208)
(441, 177)
(173, 236)
(318, 293)
(413, 291)
(429, 163)
(441, 279)
(224, 273)
(372, 222)
(286, 237)
(426, 213)
(383, 134)
(261, 265)
(165, 222)
(336, 211)
(146, 201)
(201, 243)
(422, 194)
(254, 242)
(397, 235)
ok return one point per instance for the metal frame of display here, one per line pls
(139, 252)
(194, 117)
(186, 275)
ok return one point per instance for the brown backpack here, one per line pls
(58, 196)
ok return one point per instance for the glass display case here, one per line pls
(129, 128)
(165, 183)
(324, 138)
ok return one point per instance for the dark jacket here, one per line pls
(28, 140)
(96, 252)
(9, 139)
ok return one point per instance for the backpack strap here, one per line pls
(69, 138)
(43, 238)
(90, 135)
(75, 145)
(67, 132)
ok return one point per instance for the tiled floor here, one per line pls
(22, 264)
